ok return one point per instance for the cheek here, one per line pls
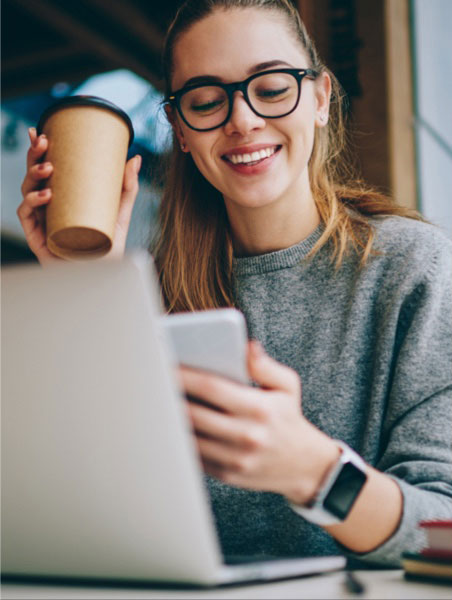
(200, 161)
(301, 132)
(201, 149)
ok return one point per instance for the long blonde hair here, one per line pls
(193, 250)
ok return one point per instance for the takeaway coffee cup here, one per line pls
(88, 142)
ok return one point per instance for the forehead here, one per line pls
(228, 43)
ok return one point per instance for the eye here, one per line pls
(204, 100)
(273, 87)
(271, 93)
(207, 107)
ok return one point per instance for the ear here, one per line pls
(323, 95)
(174, 122)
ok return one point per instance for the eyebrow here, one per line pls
(255, 69)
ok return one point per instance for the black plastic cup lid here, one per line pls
(85, 101)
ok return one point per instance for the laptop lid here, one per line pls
(100, 477)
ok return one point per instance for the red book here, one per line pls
(439, 536)
(433, 553)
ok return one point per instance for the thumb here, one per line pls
(269, 373)
(129, 191)
(133, 166)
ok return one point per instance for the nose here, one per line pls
(242, 119)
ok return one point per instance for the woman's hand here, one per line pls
(258, 438)
(36, 196)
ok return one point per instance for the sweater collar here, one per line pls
(280, 259)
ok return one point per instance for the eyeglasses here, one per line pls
(269, 94)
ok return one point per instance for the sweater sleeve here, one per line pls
(416, 443)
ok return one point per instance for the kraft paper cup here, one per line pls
(88, 142)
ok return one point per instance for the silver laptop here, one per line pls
(100, 476)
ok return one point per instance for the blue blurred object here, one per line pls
(139, 99)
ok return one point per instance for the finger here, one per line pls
(36, 174)
(230, 477)
(212, 468)
(132, 171)
(32, 134)
(130, 189)
(224, 394)
(270, 374)
(130, 182)
(29, 213)
(31, 201)
(224, 457)
(223, 427)
(39, 146)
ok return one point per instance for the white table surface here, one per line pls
(379, 585)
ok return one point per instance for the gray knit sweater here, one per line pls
(373, 348)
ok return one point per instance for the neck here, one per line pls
(279, 225)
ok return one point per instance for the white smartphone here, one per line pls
(211, 340)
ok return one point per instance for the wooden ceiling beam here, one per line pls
(38, 57)
(84, 36)
(25, 84)
(136, 21)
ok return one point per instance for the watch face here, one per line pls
(345, 490)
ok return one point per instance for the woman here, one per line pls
(348, 295)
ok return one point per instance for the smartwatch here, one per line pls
(339, 490)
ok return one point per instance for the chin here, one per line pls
(252, 200)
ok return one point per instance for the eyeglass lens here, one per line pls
(270, 95)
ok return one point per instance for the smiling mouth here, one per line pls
(252, 158)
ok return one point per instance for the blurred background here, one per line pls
(393, 57)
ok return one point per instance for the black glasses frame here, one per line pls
(174, 98)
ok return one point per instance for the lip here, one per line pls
(260, 167)
(249, 149)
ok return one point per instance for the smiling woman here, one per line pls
(344, 297)
(303, 126)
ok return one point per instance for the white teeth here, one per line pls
(253, 157)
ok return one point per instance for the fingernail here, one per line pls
(38, 139)
(43, 166)
(43, 192)
(32, 132)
